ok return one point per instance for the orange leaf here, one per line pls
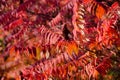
(100, 11)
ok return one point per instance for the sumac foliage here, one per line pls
(59, 39)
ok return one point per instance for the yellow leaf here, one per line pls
(38, 50)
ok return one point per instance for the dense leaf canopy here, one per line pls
(59, 39)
